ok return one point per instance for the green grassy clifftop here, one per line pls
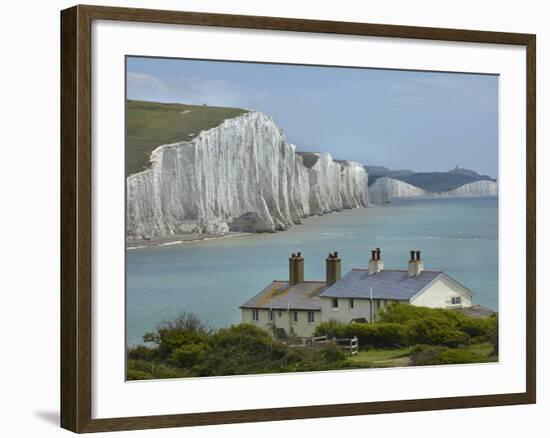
(152, 124)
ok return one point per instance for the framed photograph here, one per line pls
(271, 218)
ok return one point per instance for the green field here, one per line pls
(151, 124)
(400, 357)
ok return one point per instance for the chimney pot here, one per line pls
(333, 268)
(296, 269)
(376, 264)
(416, 265)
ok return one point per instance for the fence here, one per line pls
(317, 343)
(351, 345)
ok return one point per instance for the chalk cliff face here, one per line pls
(385, 188)
(239, 176)
(476, 188)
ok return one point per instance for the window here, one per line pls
(255, 315)
(271, 315)
(456, 300)
(279, 314)
(295, 316)
(310, 316)
(335, 304)
(351, 304)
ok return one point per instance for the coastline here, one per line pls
(178, 239)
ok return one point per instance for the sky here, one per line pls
(423, 121)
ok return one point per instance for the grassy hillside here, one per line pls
(151, 124)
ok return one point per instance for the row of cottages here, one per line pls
(295, 307)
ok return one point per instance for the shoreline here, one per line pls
(178, 239)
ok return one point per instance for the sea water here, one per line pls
(212, 278)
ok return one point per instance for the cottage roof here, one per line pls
(476, 311)
(280, 295)
(390, 284)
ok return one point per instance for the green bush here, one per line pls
(188, 355)
(434, 355)
(332, 329)
(138, 375)
(435, 331)
(241, 349)
(141, 352)
(405, 313)
(331, 354)
(379, 335)
(477, 328)
(140, 370)
(458, 356)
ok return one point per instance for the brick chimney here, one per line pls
(334, 268)
(376, 264)
(296, 269)
(416, 264)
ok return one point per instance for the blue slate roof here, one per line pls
(388, 284)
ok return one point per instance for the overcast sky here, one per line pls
(415, 120)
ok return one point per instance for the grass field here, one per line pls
(399, 357)
(151, 124)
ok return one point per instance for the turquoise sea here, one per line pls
(212, 278)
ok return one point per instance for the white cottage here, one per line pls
(296, 307)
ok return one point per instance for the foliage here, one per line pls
(405, 313)
(402, 325)
(186, 347)
(183, 349)
(183, 330)
(435, 355)
(436, 331)
(380, 335)
(142, 370)
(492, 335)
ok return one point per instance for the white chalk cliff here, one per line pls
(385, 188)
(239, 176)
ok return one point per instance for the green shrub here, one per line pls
(424, 354)
(138, 375)
(241, 349)
(141, 352)
(331, 354)
(435, 331)
(140, 370)
(434, 355)
(405, 313)
(332, 329)
(492, 335)
(458, 356)
(379, 335)
(188, 355)
(477, 328)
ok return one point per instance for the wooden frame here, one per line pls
(76, 238)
